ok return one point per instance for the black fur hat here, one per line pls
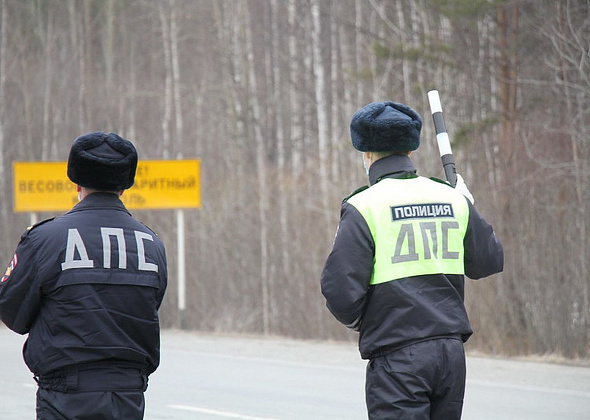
(101, 161)
(385, 127)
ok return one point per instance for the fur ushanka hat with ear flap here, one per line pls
(385, 127)
(101, 161)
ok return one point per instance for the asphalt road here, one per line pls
(212, 377)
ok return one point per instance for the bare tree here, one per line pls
(3, 58)
(263, 92)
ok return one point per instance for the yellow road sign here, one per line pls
(159, 184)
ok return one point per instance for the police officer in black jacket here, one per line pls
(86, 287)
(396, 271)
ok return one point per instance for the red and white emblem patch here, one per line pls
(9, 269)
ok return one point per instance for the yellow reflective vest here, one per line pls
(417, 231)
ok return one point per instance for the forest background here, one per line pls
(262, 92)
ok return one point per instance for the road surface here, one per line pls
(213, 377)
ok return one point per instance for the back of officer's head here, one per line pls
(386, 127)
(103, 162)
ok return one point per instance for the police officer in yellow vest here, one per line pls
(396, 271)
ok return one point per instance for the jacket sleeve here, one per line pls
(347, 272)
(20, 296)
(484, 254)
(163, 276)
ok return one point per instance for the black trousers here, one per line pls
(109, 393)
(423, 381)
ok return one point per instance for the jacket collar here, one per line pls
(394, 166)
(100, 200)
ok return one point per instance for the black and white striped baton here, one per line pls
(442, 138)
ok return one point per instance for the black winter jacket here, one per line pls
(397, 313)
(86, 287)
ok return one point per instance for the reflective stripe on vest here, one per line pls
(418, 226)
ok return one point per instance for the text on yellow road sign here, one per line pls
(159, 184)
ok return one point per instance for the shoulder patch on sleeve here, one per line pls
(30, 228)
(358, 190)
(9, 269)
